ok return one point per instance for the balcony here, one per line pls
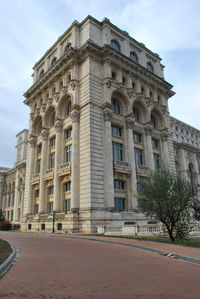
(49, 173)
(64, 168)
(121, 167)
(142, 170)
(35, 178)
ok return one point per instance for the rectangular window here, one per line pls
(36, 209)
(117, 131)
(11, 216)
(52, 141)
(68, 150)
(18, 214)
(138, 156)
(156, 159)
(37, 193)
(50, 207)
(119, 204)
(52, 160)
(50, 190)
(67, 186)
(117, 149)
(67, 205)
(139, 187)
(137, 137)
(68, 133)
(118, 184)
(39, 148)
(38, 163)
(155, 143)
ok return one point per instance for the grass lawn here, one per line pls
(5, 251)
(190, 242)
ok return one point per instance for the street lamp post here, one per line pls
(53, 228)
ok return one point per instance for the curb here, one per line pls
(174, 255)
(7, 264)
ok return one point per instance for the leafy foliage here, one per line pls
(168, 198)
(5, 225)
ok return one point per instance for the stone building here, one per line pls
(99, 123)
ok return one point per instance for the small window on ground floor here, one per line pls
(59, 226)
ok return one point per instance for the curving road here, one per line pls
(56, 267)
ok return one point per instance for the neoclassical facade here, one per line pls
(99, 124)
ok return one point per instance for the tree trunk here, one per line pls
(170, 232)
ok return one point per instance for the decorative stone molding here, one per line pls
(63, 92)
(75, 116)
(108, 83)
(148, 129)
(32, 141)
(130, 120)
(43, 107)
(44, 134)
(58, 126)
(73, 84)
(107, 114)
(130, 93)
(32, 115)
(164, 135)
(107, 111)
(56, 97)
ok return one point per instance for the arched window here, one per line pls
(53, 61)
(116, 106)
(67, 47)
(136, 114)
(150, 67)
(154, 122)
(68, 108)
(133, 56)
(41, 74)
(115, 45)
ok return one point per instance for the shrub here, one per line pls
(5, 225)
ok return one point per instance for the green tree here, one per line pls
(168, 198)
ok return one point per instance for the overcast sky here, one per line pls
(28, 28)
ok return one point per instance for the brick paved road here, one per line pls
(51, 267)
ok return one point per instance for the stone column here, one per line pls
(149, 151)
(32, 142)
(196, 166)
(183, 162)
(108, 159)
(58, 147)
(75, 161)
(165, 154)
(16, 196)
(43, 163)
(132, 204)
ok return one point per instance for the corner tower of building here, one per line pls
(99, 123)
